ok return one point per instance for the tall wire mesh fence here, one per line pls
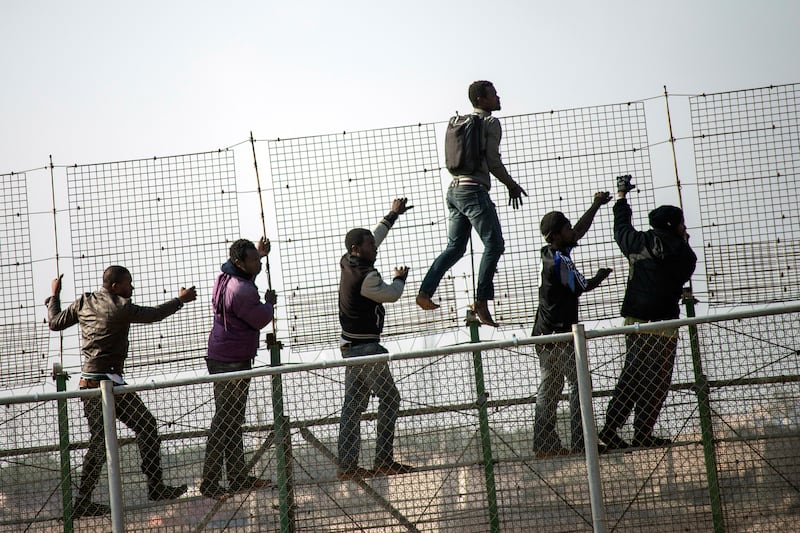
(562, 158)
(22, 360)
(170, 221)
(747, 152)
(143, 213)
(326, 185)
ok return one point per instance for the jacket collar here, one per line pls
(229, 268)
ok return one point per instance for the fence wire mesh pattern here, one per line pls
(21, 338)
(562, 158)
(747, 152)
(698, 425)
(326, 185)
(490, 443)
(150, 215)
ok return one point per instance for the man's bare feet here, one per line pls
(481, 308)
(425, 302)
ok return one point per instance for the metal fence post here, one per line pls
(112, 455)
(63, 441)
(702, 390)
(589, 430)
(283, 442)
(483, 417)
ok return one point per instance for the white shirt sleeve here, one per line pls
(374, 288)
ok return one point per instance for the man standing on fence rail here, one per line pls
(661, 262)
(105, 317)
(362, 293)
(561, 286)
(239, 316)
(468, 198)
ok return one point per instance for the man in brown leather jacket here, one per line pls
(105, 317)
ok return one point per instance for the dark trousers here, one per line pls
(556, 363)
(644, 382)
(132, 412)
(225, 444)
(359, 383)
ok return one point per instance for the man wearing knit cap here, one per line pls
(661, 262)
(561, 286)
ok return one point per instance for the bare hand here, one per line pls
(55, 286)
(602, 197)
(271, 297)
(187, 295)
(515, 193)
(602, 274)
(401, 272)
(263, 247)
(399, 206)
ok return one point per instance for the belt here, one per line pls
(466, 181)
(88, 383)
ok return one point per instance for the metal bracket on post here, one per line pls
(61, 377)
(112, 456)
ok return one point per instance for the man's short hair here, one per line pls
(114, 274)
(355, 237)
(478, 89)
(551, 223)
(239, 248)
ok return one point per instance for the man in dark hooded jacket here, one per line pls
(661, 262)
(239, 315)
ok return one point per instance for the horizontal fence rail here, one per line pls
(468, 425)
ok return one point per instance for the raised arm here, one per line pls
(399, 206)
(585, 222)
(57, 319)
(144, 315)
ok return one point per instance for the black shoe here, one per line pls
(391, 468)
(161, 492)
(612, 440)
(86, 507)
(354, 472)
(649, 441)
(249, 483)
(213, 491)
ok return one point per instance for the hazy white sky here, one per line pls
(91, 81)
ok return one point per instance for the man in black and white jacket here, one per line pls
(362, 293)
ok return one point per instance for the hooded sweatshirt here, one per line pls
(239, 316)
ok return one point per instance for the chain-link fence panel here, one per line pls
(467, 441)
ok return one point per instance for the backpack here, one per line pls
(463, 154)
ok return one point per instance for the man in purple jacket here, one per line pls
(239, 316)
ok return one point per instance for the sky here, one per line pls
(92, 81)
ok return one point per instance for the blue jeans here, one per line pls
(470, 207)
(359, 382)
(556, 362)
(225, 443)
